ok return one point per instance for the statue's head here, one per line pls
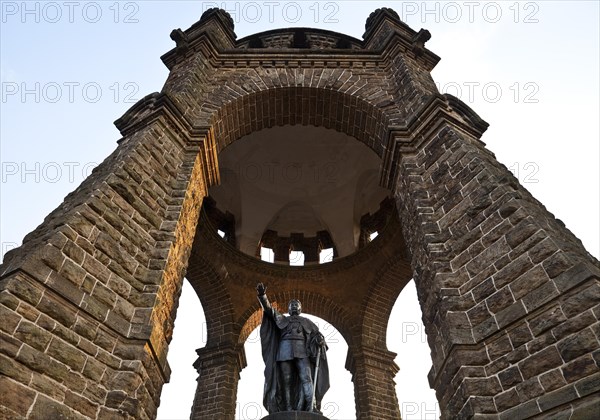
(295, 307)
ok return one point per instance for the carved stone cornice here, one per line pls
(374, 357)
(160, 108)
(384, 30)
(385, 38)
(407, 139)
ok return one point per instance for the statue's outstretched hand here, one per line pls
(261, 289)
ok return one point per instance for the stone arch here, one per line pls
(382, 296)
(216, 302)
(291, 105)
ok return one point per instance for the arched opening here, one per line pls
(315, 178)
(189, 334)
(338, 403)
(406, 337)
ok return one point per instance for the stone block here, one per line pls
(525, 229)
(15, 396)
(510, 314)
(586, 298)
(53, 257)
(12, 369)
(579, 368)
(529, 389)
(546, 320)
(589, 385)
(499, 347)
(95, 393)
(540, 296)
(67, 354)
(26, 290)
(74, 252)
(33, 335)
(93, 369)
(587, 410)
(10, 320)
(42, 363)
(521, 411)
(540, 362)
(48, 386)
(81, 404)
(104, 294)
(574, 324)
(540, 342)
(95, 308)
(28, 312)
(510, 377)
(512, 271)
(542, 250)
(574, 276)
(552, 380)
(557, 265)
(578, 344)
(499, 300)
(558, 397)
(85, 328)
(528, 281)
(7, 299)
(483, 290)
(520, 335)
(65, 288)
(506, 400)
(46, 408)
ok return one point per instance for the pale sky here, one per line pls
(68, 70)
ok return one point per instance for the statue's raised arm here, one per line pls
(261, 289)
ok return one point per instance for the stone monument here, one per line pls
(510, 297)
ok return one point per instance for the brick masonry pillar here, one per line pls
(89, 299)
(373, 371)
(509, 295)
(218, 375)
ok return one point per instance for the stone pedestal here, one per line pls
(295, 415)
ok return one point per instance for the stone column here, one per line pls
(373, 371)
(219, 370)
(508, 293)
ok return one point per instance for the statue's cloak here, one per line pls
(270, 333)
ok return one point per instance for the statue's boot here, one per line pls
(287, 397)
(308, 396)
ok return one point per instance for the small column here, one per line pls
(373, 372)
(219, 370)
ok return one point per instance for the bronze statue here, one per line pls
(296, 370)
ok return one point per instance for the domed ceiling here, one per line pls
(298, 180)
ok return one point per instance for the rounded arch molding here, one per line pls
(295, 105)
(377, 308)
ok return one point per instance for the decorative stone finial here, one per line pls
(180, 38)
(225, 17)
(373, 17)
